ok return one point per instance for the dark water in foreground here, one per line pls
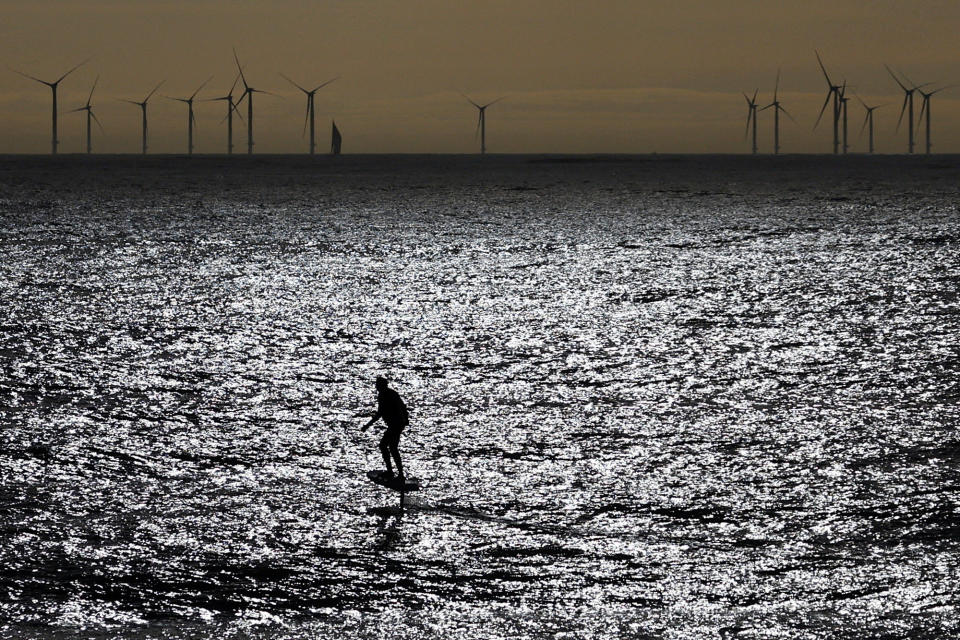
(652, 397)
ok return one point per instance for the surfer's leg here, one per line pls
(392, 439)
(396, 456)
(385, 451)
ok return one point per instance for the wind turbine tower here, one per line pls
(752, 118)
(310, 113)
(190, 119)
(53, 87)
(843, 107)
(777, 108)
(482, 121)
(143, 109)
(834, 91)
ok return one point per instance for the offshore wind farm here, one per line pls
(836, 99)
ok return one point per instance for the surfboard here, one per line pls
(391, 482)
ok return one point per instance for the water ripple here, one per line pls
(682, 399)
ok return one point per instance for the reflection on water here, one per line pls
(684, 398)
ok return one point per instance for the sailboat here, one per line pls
(335, 140)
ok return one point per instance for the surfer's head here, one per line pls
(382, 383)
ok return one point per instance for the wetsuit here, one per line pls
(394, 413)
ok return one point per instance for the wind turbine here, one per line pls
(309, 115)
(925, 108)
(248, 92)
(90, 115)
(907, 103)
(868, 120)
(231, 107)
(143, 109)
(752, 117)
(834, 91)
(482, 121)
(777, 108)
(190, 119)
(843, 108)
(53, 87)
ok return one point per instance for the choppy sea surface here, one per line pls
(651, 397)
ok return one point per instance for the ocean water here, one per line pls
(651, 397)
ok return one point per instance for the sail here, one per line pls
(335, 140)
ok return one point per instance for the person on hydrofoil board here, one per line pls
(394, 413)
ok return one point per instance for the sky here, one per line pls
(577, 76)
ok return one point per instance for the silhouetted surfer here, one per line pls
(394, 413)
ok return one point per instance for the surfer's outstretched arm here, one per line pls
(376, 416)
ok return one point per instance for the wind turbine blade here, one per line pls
(201, 87)
(822, 68)
(25, 75)
(321, 86)
(747, 99)
(788, 115)
(494, 102)
(153, 92)
(293, 83)
(306, 117)
(97, 120)
(766, 107)
(893, 75)
(949, 86)
(823, 108)
(915, 85)
(90, 97)
(77, 109)
(266, 92)
(754, 99)
(902, 110)
(234, 85)
(71, 71)
(862, 102)
(234, 107)
(461, 93)
(130, 101)
(240, 69)
(865, 121)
